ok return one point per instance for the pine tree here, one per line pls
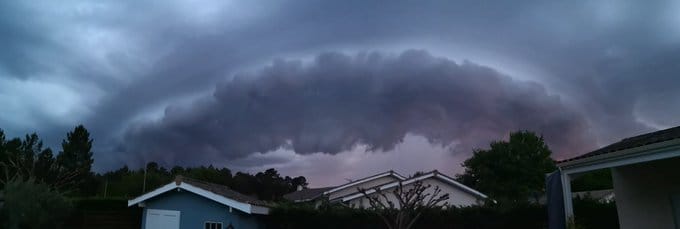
(75, 158)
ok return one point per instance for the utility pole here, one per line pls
(144, 182)
(106, 187)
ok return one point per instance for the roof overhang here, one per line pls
(436, 175)
(651, 152)
(364, 180)
(241, 206)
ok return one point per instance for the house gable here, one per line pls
(459, 194)
(224, 196)
(196, 210)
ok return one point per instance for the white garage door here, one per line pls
(162, 219)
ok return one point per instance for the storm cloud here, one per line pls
(142, 76)
(337, 102)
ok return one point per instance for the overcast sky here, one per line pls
(336, 90)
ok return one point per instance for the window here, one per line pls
(213, 225)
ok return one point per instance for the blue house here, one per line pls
(188, 203)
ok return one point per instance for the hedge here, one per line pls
(589, 214)
(114, 213)
(104, 213)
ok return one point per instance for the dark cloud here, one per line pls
(338, 102)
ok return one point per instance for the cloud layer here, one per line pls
(337, 102)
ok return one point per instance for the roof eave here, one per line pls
(642, 154)
(635, 151)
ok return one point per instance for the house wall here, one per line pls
(195, 210)
(366, 185)
(457, 197)
(644, 191)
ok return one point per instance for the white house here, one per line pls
(348, 194)
(646, 174)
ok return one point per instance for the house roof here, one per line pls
(306, 194)
(218, 193)
(632, 142)
(366, 179)
(434, 174)
(221, 190)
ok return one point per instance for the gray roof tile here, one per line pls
(221, 190)
(632, 142)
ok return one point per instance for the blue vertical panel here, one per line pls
(553, 187)
(675, 200)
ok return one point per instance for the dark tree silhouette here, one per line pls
(510, 172)
(75, 159)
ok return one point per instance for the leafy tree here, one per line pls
(510, 171)
(75, 159)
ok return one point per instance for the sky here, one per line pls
(335, 90)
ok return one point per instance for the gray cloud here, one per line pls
(338, 102)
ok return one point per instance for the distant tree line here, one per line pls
(509, 171)
(70, 171)
(37, 186)
(37, 183)
(267, 185)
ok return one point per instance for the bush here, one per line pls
(96, 203)
(31, 204)
(590, 213)
(305, 216)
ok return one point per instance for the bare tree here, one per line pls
(406, 205)
(17, 169)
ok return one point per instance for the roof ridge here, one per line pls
(663, 131)
(181, 178)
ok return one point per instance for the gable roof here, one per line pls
(218, 193)
(221, 190)
(629, 143)
(306, 194)
(364, 180)
(434, 174)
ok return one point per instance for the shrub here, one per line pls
(594, 214)
(31, 204)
